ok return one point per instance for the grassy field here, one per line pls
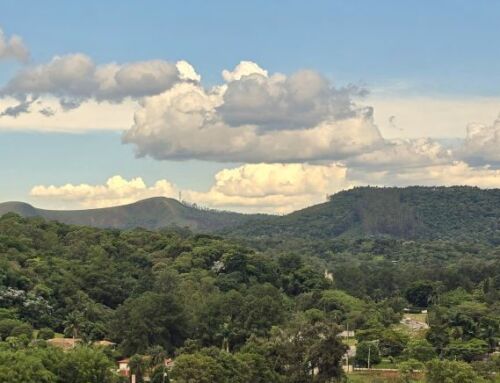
(378, 377)
(386, 363)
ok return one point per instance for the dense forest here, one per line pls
(458, 213)
(228, 310)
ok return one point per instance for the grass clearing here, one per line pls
(374, 376)
(421, 317)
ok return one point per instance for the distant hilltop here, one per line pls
(459, 213)
(151, 213)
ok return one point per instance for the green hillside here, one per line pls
(451, 213)
(458, 213)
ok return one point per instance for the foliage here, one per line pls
(230, 311)
(41, 365)
(367, 354)
(420, 350)
(445, 371)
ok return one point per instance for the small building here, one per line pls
(123, 368)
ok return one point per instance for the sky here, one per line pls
(262, 106)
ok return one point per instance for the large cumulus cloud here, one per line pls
(301, 100)
(254, 118)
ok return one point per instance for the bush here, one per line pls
(7, 326)
(446, 371)
(367, 350)
(421, 350)
(46, 333)
(468, 351)
(22, 329)
(408, 368)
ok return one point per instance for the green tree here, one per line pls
(138, 367)
(421, 350)
(467, 350)
(148, 320)
(197, 368)
(156, 356)
(392, 342)
(73, 324)
(22, 367)
(446, 371)
(420, 293)
(408, 368)
(85, 365)
(22, 329)
(367, 354)
(6, 327)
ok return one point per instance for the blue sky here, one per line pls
(439, 57)
(448, 45)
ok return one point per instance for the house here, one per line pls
(123, 368)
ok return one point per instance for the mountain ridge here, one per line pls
(150, 213)
(415, 212)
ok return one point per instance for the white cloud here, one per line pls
(116, 191)
(256, 187)
(244, 68)
(276, 188)
(46, 115)
(301, 100)
(452, 174)
(187, 71)
(272, 188)
(188, 121)
(410, 117)
(405, 153)
(75, 78)
(13, 48)
(482, 143)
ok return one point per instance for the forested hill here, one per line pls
(452, 213)
(152, 213)
(456, 213)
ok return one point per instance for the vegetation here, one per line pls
(152, 213)
(252, 310)
(451, 213)
(430, 213)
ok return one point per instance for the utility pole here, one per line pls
(369, 353)
(348, 346)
